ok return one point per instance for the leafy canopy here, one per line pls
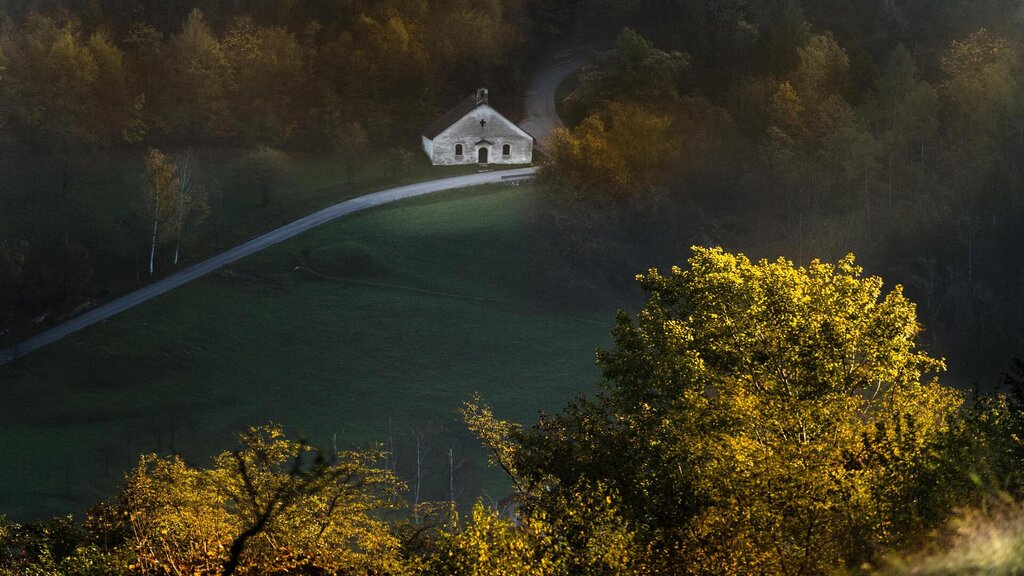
(275, 505)
(759, 418)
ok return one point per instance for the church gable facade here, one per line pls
(475, 133)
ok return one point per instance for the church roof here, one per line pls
(454, 115)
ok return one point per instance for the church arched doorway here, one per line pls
(482, 156)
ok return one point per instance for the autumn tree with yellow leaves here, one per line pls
(162, 180)
(577, 532)
(626, 151)
(758, 418)
(276, 505)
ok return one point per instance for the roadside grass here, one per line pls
(356, 333)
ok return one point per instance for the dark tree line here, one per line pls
(298, 74)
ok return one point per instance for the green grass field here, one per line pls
(388, 319)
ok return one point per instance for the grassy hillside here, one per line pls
(104, 210)
(389, 318)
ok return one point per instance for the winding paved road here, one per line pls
(541, 116)
(258, 243)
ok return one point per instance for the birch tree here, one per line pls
(422, 436)
(189, 204)
(161, 188)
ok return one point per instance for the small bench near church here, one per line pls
(475, 133)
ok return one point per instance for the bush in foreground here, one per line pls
(758, 418)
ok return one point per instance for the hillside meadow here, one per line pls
(370, 330)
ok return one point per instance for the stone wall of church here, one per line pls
(495, 133)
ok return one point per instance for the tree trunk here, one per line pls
(152, 244)
(391, 448)
(177, 239)
(451, 475)
(152, 250)
(419, 470)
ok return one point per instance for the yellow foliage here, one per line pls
(761, 418)
(302, 512)
(626, 151)
(579, 533)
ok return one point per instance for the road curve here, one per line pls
(250, 247)
(540, 113)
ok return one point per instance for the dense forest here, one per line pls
(757, 416)
(894, 130)
(309, 74)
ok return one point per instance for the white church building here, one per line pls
(475, 133)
